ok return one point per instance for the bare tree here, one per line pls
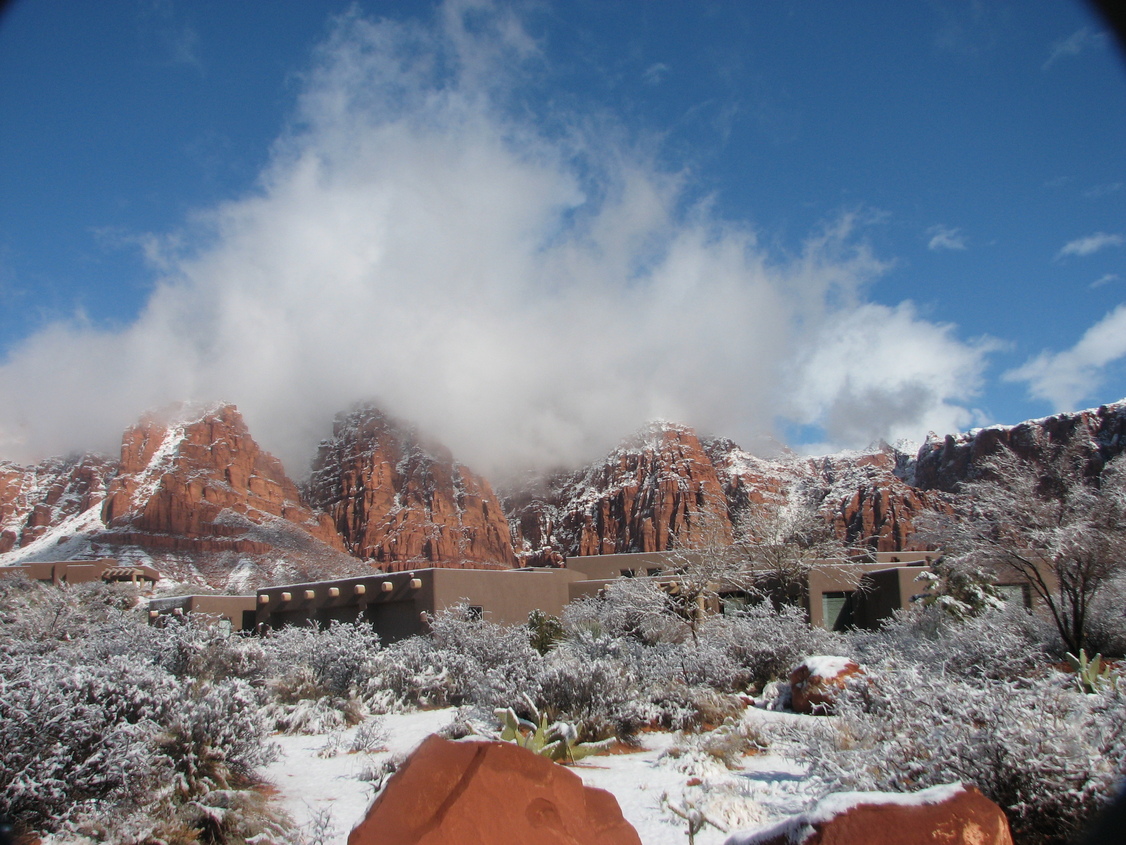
(701, 570)
(1057, 526)
(782, 541)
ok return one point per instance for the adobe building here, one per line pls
(109, 570)
(230, 613)
(839, 594)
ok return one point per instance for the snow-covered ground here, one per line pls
(325, 792)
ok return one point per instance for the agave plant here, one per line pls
(557, 741)
(1091, 674)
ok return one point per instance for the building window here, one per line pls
(1019, 593)
(734, 604)
(836, 610)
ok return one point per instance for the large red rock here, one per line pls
(403, 501)
(952, 814)
(656, 491)
(489, 793)
(196, 482)
(667, 488)
(1098, 433)
(36, 498)
(816, 682)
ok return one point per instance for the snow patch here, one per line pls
(825, 666)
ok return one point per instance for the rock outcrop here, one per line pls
(952, 814)
(193, 482)
(816, 682)
(489, 793)
(34, 499)
(667, 487)
(1099, 433)
(403, 502)
(192, 493)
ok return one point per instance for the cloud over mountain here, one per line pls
(521, 279)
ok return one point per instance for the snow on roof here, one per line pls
(800, 827)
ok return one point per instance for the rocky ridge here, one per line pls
(194, 494)
(401, 501)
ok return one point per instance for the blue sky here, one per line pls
(533, 226)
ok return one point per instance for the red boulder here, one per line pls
(952, 814)
(489, 793)
(816, 681)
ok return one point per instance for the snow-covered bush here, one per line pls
(107, 732)
(599, 695)
(500, 658)
(1008, 642)
(312, 662)
(767, 642)
(73, 736)
(417, 673)
(1106, 620)
(1048, 755)
(214, 738)
(634, 608)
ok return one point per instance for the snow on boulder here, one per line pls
(953, 814)
(816, 681)
(489, 793)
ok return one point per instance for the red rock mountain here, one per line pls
(195, 485)
(194, 494)
(944, 462)
(35, 499)
(403, 502)
(191, 493)
(667, 487)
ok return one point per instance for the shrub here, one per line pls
(1049, 756)
(1004, 643)
(766, 643)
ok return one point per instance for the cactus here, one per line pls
(558, 742)
(1090, 675)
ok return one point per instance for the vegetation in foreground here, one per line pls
(126, 733)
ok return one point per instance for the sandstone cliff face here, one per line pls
(657, 490)
(404, 502)
(34, 499)
(194, 484)
(666, 487)
(945, 462)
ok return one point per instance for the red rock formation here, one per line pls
(943, 463)
(197, 484)
(401, 501)
(816, 681)
(34, 499)
(953, 814)
(668, 487)
(489, 793)
(655, 491)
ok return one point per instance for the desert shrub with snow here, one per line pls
(1047, 754)
(767, 642)
(998, 643)
(120, 731)
(463, 661)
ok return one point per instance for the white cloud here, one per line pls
(1105, 280)
(1090, 244)
(1076, 43)
(877, 372)
(1068, 378)
(524, 297)
(945, 237)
